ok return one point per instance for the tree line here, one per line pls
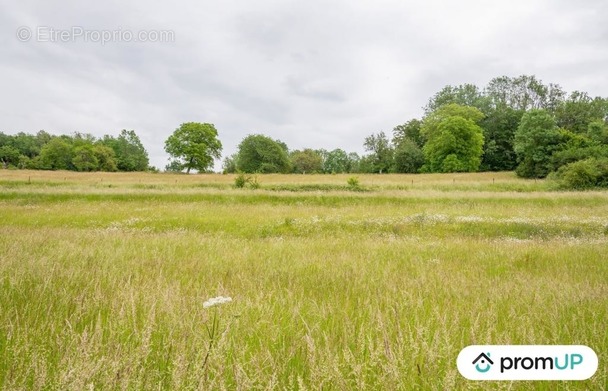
(77, 152)
(513, 123)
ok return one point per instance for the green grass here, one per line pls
(102, 279)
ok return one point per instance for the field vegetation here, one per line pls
(337, 283)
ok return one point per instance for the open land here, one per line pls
(378, 286)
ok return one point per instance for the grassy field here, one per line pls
(103, 278)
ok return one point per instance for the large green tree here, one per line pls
(56, 155)
(524, 93)
(454, 139)
(408, 157)
(129, 151)
(194, 146)
(598, 131)
(259, 153)
(306, 161)
(409, 130)
(499, 128)
(105, 157)
(30, 145)
(354, 162)
(84, 158)
(464, 95)
(9, 156)
(536, 139)
(380, 159)
(580, 110)
(337, 162)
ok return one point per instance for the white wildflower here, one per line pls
(471, 219)
(216, 301)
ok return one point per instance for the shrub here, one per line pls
(254, 183)
(241, 180)
(353, 182)
(571, 155)
(584, 174)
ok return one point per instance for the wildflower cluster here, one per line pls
(216, 301)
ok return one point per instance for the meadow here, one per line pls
(103, 277)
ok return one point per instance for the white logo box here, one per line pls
(527, 362)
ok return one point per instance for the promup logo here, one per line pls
(482, 359)
(527, 362)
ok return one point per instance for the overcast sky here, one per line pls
(318, 74)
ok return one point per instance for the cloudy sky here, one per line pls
(319, 74)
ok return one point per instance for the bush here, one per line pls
(584, 174)
(571, 155)
(353, 182)
(254, 183)
(241, 180)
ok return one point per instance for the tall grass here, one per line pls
(102, 287)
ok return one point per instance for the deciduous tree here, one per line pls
(259, 153)
(536, 138)
(455, 140)
(337, 162)
(409, 130)
(130, 152)
(84, 158)
(194, 146)
(306, 161)
(56, 155)
(409, 158)
(381, 152)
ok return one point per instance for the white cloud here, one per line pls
(314, 74)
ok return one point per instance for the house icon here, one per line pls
(483, 359)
